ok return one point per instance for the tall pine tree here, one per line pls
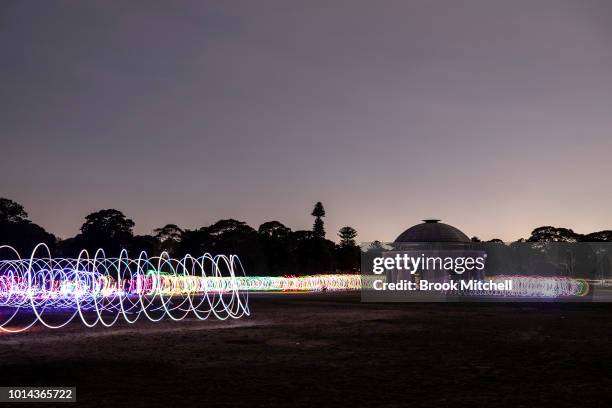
(318, 229)
(347, 237)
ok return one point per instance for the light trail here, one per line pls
(101, 290)
(541, 286)
(311, 283)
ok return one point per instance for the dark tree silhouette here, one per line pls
(24, 236)
(235, 237)
(108, 229)
(375, 246)
(278, 244)
(600, 236)
(197, 241)
(107, 223)
(553, 234)
(168, 232)
(313, 254)
(19, 232)
(274, 229)
(10, 211)
(348, 253)
(318, 228)
(146, 243)
(168, 236)
(229, 228)
(347, 236)
(501, 259)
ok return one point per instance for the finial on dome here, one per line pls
(431, 221)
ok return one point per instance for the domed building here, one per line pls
(433, 239)
(432, 230)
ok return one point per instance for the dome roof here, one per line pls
(432, 231)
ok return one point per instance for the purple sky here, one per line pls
(495, 116)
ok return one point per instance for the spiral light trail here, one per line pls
(101, 290)
(541, 286)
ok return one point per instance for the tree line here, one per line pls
(554, 234)
(271, 250)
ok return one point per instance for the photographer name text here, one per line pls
(424, 285)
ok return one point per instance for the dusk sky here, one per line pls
(494, 116)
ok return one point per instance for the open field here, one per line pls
(312, 349)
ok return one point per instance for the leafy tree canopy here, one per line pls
(347, 236)
(229, 226)
(107, 223)
(168, 232)
(600, 236)
(553, 234)
(274, 229)
(10, 211)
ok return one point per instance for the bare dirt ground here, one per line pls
(331, 350)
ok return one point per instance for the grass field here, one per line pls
(307, 350)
